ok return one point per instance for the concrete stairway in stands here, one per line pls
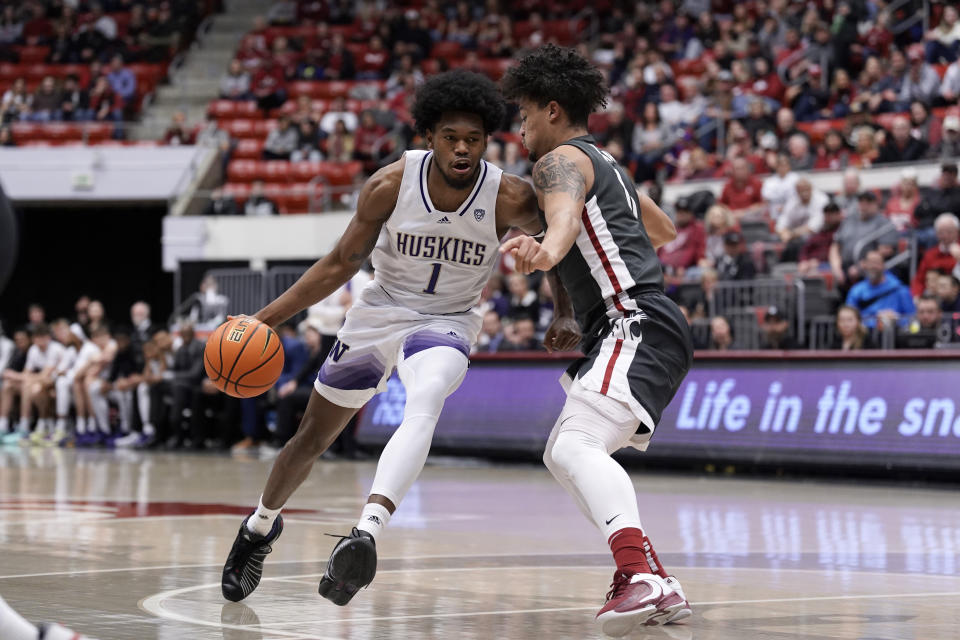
(197, 82)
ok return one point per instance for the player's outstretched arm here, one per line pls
(517, 206)
(658, 224)
(378, 197)
(561, 188)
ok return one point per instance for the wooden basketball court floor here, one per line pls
(130, 546)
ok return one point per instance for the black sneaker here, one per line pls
(241, 573)
(352, 566)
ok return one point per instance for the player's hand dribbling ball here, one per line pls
(243, 357)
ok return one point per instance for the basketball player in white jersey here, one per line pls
(14, 627)
(433, 222)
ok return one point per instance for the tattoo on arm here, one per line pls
(555, 173)
(367, 249)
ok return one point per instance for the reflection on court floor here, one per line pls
(129, 545)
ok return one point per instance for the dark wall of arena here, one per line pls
(110, 254)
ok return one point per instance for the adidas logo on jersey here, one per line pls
(443, 220)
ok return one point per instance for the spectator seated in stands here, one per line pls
(123, 82)
(923, 331)
(235, 83)
(903, 201)
(105, 104)
(520, 334)
(522, 300)
(721, 335)
(282, 141)
(950, 87)
(798, 148)
(814, 255)
(852, 231)
(880, 296)
(308, 142)
(780, 186)
(340, 144)
(687, 249)
(258, 204)
(221, 204)
(901, 145)
(949, 145)
(948, 292)
(943, 257)
(743, 193)
(15, 104)
(46, 100)
(74, 101)
(736, 263)
(268, 86)
(945, 198)
(921, 81)
(775, 331)
(178, 133)
(366, 135)
(338, 112)
(943, 41)
(801, 216)
(851, 334)
(491, 333)
(848, 198)
(717, 222)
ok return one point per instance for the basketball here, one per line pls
(243, 357)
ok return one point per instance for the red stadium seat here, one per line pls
(239, 191)
(447, 49)
(228, 109)
(25, 132)
(96, 132)
(29, 55)
(61, 131)
(818, 128)
(274, 171)
(10, 71)
(248, 149)
(241, 128)
(40, 71)
(885, 120)
(242, 170)
(495, 67)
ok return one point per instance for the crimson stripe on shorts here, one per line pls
(610, 366)
(617, 289)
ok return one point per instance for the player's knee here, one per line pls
(570, 448)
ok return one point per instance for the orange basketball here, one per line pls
(243, 357)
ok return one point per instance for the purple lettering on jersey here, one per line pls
(443, 246)
(415, 243)
(480, 251)
(465, 246)
(429, 246)
(402, 242)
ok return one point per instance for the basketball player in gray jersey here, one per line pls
(432, 222)
(602, 238)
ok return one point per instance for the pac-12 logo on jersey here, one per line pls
(479, 214)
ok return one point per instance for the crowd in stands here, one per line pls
(76, 62)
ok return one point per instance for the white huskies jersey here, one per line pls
(434, 261)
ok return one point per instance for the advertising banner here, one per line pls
(856, 412)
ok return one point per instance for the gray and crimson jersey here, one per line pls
(613, 259)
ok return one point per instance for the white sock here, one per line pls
(24, 425)
(43, 425)
(148, 429)
(91, 424)
(262, 519)
(4, 424)
(61, 425)
(13, 626)
(373, 519)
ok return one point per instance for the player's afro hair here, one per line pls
(458, 90)
(561, 74)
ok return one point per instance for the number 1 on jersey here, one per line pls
(432, 285)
